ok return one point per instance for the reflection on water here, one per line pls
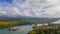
(23, 30)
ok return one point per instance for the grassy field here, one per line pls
(7, 24)
(54, 29)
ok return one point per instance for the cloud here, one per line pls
(3, 12)
(54, 9)
(33, 8)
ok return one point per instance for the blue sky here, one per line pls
(8, 1)
(11, 1)
(32, 8)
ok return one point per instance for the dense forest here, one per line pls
(52, 29)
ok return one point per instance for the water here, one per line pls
(23, 30)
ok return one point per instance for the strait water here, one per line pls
(23, 30)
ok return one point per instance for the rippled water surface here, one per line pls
(23, 30)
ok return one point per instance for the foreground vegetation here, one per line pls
(54, 29)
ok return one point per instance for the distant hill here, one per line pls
(42, 20)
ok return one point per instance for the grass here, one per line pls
(7, 24)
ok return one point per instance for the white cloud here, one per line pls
(3, 12)
(34, 8)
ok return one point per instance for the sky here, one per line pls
(30, 8)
